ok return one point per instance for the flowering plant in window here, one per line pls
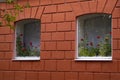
(102, 48)
(23, 50)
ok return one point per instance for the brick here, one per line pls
(57, 1)
(9, 38)
(3, 6)
(118, 44)
(26, 65)
(1, 55)
(118, 3)
(58, 36)
(50, 27)
(85, 76)
(70, 0)
(31, 75)
(93, 6)
(115, 54)
(50, 65)
(109, 6)
(33, 12)
(73, 45)
(77, 8)
(11, 47)
(74, 26)
(22, 3)
(44, 76)
(119, 22)
(100, 5)
(116, 12)
(101, 76)
(64, 45)
(34, 3)
(64, 7)
(119, 66)
(115, 76)
(94, 66)
(8, 55)
(1, 75)
(50, 45)
(43, 26)
(57, 54)
(45, 54)
(2, 38)
(69, 16)
(8, 75)
(38, 65)
(57, 76)
(65, 26)
(114, 23)
(20, 75)
(50, 9)
(63, 65)
(78, 66)
(39, 12)
(70, 35)
(116, 33)
(9, 6)
(45, 2)
(21, 15)
(71, 76)
(4, 65)
(4, 30)
(42, 46)
(15, 65)
(46, 18)
(4, 46)
(27, 12)
(110, 66)
(115, 44)
(69, 54)
(46, 36)
(58, 17)
(85, 6)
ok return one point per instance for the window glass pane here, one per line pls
(28, 38)
(94, 35)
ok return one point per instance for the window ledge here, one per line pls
(94, 58)
(27, 58)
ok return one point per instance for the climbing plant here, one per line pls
(9, 17)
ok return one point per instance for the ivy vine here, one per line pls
(10, 18)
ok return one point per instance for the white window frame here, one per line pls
(97, 58)
(22, 58)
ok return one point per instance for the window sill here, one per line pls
(94, 58)
(27, 58)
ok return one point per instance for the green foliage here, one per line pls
(0, 23)
(104, 48)
(11, 18)
(10, 1)
(18, 7)
(22, 50)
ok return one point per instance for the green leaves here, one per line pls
(0, 23)
(10, 1)
(18, 7)
(11, 18)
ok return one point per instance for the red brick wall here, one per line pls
(58, 28)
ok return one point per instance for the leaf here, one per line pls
(0, 23)
(10, 1)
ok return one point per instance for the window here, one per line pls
(94, 37)
(27, 44)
